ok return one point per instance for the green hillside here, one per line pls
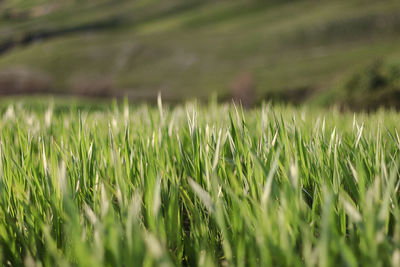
(289, 50)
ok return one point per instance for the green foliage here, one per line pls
(375, 76)
(376, 84)
(120, 185)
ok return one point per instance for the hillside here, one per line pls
(289, 50)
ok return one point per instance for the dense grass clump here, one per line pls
(198, 185)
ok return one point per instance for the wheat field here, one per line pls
(197, 185)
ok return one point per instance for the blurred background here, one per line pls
(344, 53)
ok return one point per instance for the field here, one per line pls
(297, 51)
(114, 184)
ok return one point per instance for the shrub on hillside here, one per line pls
(377, 84)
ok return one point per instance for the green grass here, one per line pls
(119, 185)
(190, 48)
